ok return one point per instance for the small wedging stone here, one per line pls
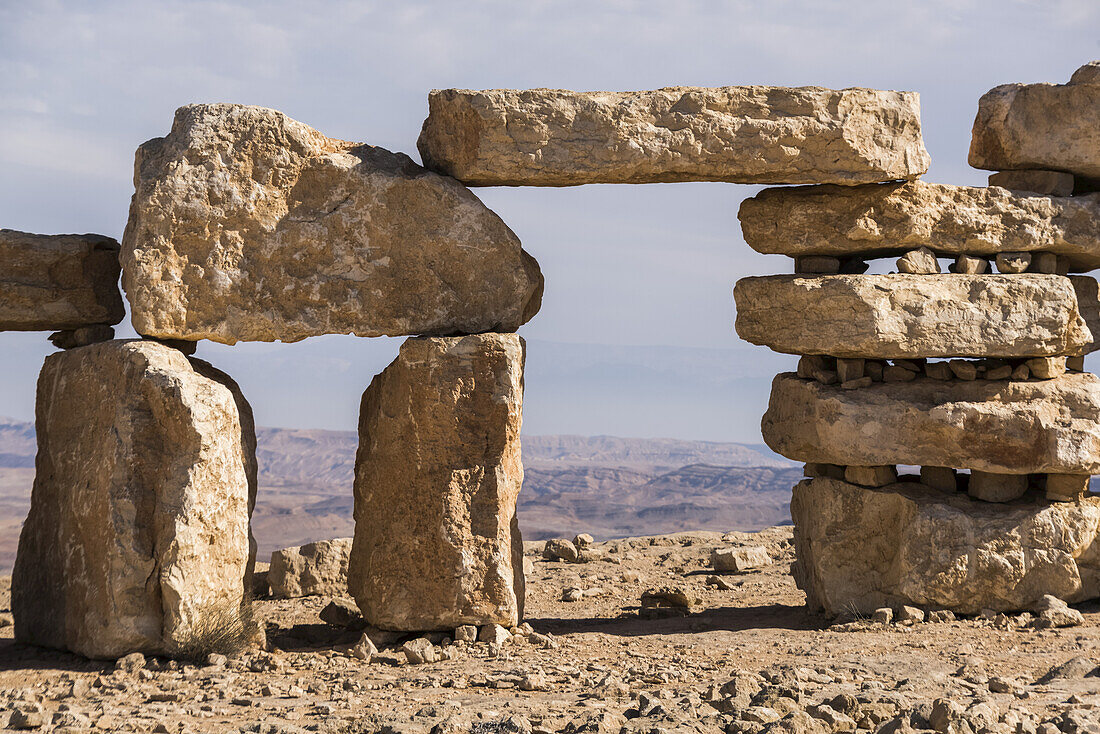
(438, 472)
(1052, 426)
(900, 316)
(58, 282)
(139, 524)
(860, 549)
(247, 225)
(990, 487)
(1048, 126)
(886, 220)
(313, 569)
(751, 134)
(1044, 183)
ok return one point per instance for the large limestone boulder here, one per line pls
(1046, 126)
(888, 219)
(248, 225)
(54, 282)
(437, 475)
(859, 549)
(755, 134)
(319, 569)
(138, 534)
(997, 426)
(912, 316)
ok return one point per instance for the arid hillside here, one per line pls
(604, 485)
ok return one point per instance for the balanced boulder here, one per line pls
(1046, 126)
(859, 549)
(248, 225)
(53, 282)
(883, 220)
(752, 134)
(998, 426)
(313, 569)
(906, 316)
(437, 476)
(138, 535)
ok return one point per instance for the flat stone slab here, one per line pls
(55, 282)
(885, 220)
(912, 316)
(1046, 126)
(438, 472)
(250, 226)
(752, 134)
(859, 549)
(999, 426)
(138, 535)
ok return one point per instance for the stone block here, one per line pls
(939, 477)
(992, 487)
(918, 262)
(887, 220)
(138, 534)
(871, 476)
(1013, 262)
(58, 282)
(899, 316)
(247, 225)
(1045, 126)
(751, 134)
(438, 472)
(860, 549)
(1051, 426)
(1066, 487)
(739, 559)
(1044, 183)
(313, 569)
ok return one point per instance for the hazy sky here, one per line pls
(649, 267)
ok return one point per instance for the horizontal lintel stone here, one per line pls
(748, 134)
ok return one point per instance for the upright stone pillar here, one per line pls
(437, 476)
(138, 535)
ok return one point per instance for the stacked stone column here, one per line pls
(948, 428)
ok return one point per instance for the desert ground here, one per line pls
(746, 657)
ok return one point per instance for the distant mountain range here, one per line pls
(603, 485)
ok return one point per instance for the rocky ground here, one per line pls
(745, 657)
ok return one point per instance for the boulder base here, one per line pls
(138, 534)
(998, 426)
(885, 220)
(1048, 126)
(754, 134)
(248, 225)
(437, 475)
(313, 569)
(909, 316)
(859, 549)
(56, 282)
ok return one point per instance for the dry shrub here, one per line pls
(223, 628)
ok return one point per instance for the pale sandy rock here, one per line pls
(51, 282)
(319, 568)
(918, 262)
(1088, 303)
(1066, 487)
(970, 265)
(752, 134)
(859, 549)
(1047, 126)
(1046, 368)
(1045, 183)
(248, 225)
(886, 220)
(437, 543)
(1013, 262)
(739, 559)
(871, 476)
(990, 487)
(996, 426)
(138, 533)
(903, 316)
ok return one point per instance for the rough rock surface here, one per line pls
(752, 134)
(319, 568)
(910, 316)
(889, 219)
(859, 549)
(52, 282)
(138, 531)
(437, 476)
(1048, 426)
(248, 225)
(1088, 303)
(1049, 126)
